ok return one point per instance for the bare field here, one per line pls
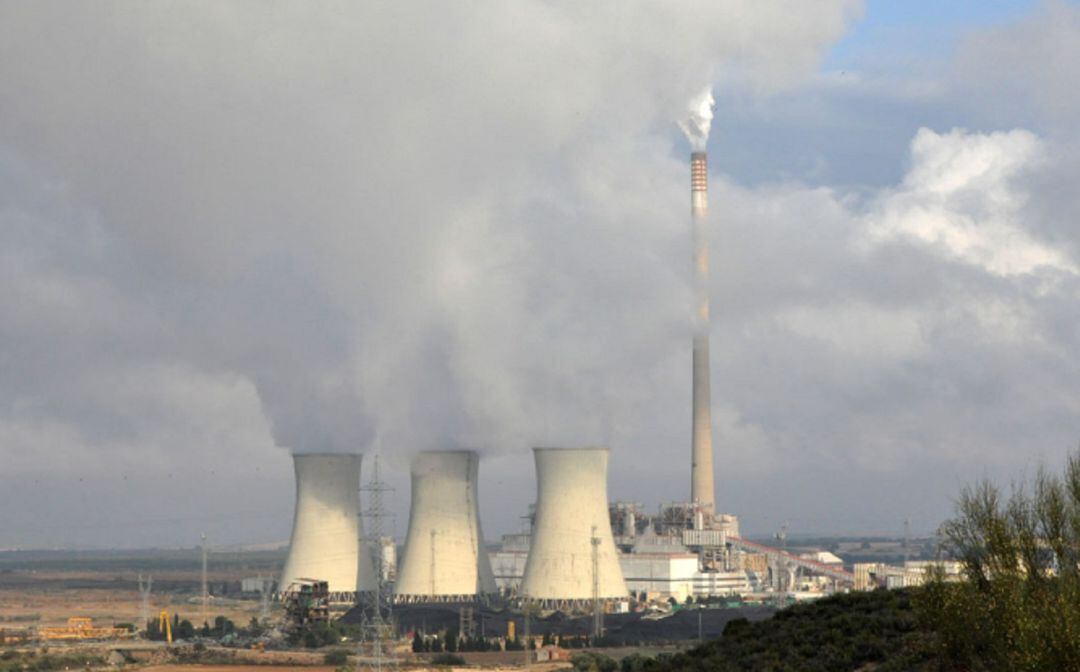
(57, 596)
(235, 668)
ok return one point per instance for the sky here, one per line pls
(234, 231)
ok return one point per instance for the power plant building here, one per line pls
(327, 535)
(445, 559)
(572, 557)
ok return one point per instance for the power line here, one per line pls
(376, 629)
(144, 600)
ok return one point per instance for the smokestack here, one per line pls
(702, 490)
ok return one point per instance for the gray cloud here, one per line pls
(227, 228)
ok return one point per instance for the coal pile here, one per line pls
(621, 629)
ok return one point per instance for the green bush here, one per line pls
(587, 661)
(447, 659)
(1019, 608)
(336, 657)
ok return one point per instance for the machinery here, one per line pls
(81, 628)
(307, 601)
(165, 625)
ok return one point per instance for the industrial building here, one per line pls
(327, 536)
(580, 550)
(572, 556)
(445, 559)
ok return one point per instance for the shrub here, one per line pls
(336, 657)
(447, 659)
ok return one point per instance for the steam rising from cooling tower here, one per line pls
(696, 127)
(326, 539)
(572, 512)
(445, 559)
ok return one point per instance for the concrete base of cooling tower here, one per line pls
(573, 606)
(336, 598)
(444, 599)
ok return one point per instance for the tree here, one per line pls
(185, 630)
(450, 640)
(1019, 608)
(417, 642)
(336, 657)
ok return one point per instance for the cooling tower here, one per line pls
(702, 490)
(326, 542)
(572, 512)
(445, 559)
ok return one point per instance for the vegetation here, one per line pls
(181, 629)
(12, 661)
(590, 661)
(317, 635)
(842, 632)
(587, 661)
(336, 657)
(450, 642)
(447, 659)
(1019, 608)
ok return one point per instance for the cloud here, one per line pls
(427, 225)
(962, 197)
(230, 228)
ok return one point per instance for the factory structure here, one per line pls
(580, 552)
(327, 533)
(445, 558)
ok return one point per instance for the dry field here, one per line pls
(233, 668)
(56, 596)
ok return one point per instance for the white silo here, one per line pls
(444, 559)
(327, 534)
(572, 557)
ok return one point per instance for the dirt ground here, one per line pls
(233, 668)
(51, 597)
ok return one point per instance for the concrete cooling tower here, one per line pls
(327, 533)
(445, 559)
(572, 524)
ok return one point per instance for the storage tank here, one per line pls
(444, 558)
(327, 536)
(571, 523)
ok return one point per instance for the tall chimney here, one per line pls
(702, 491)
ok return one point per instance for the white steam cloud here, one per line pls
(698, 121)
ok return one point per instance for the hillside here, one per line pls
(856, 631)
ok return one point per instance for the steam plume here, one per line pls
(699, 119)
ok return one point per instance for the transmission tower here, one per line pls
(205, 589)
(144, 600)
(527, 608)
(264, 599)
(598, 608)
(907, 540)
(377, 630)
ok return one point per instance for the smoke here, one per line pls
(699, 118)
(340, 229)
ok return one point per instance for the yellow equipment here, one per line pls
(165, 625)
(81, 627)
